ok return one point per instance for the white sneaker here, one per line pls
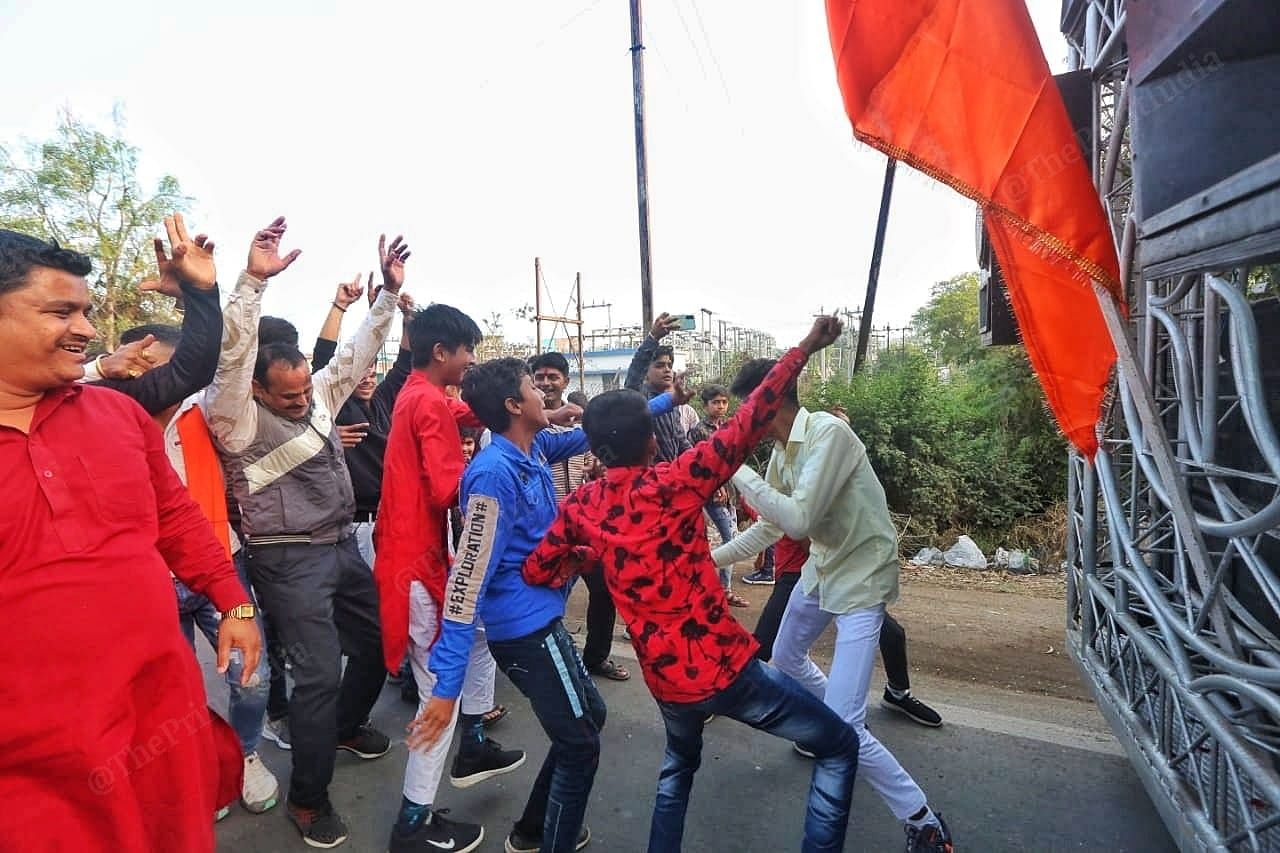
(260, 790)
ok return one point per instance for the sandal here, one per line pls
(736, 600)
(491, 716)
(610, 670)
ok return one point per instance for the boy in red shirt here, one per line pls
(642, 525)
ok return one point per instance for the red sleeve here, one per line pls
(462, 414)
(439, 454)
(186, 539)
(560, 555)
(709, 464)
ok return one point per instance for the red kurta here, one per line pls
(421, 471)
(106, 742)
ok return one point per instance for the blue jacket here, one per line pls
(509, 502)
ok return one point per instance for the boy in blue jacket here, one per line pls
(509, 502)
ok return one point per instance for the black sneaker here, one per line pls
(477, 763)
(437, 832)
(518, 842)
(367, 743)
(763, 577)
(930, 838)
(913, 708)
(319, 827)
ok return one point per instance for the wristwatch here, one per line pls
(241, 611)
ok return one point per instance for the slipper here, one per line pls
(610, 670)
(736, 600)
(497, 712)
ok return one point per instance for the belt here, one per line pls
(330, 536)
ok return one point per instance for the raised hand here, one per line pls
(682, 393)
(825, 332)
(391, 259)
(264, 252)
(407, 306)
(129, 361)
(191, 263)
(371, 290)
(349, 292)
(663, 325)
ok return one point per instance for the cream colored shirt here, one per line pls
(820, 486)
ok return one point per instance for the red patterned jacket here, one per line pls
(644, 526)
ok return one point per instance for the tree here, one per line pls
(949, 323)
(81, 188)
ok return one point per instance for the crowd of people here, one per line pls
(326, 528)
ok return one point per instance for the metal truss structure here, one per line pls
(1173, 601)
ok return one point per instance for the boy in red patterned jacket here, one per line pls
(642, 525)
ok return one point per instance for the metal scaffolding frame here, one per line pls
(1172, 604)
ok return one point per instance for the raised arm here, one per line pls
(389, 388)
(334, 384)
(190, 277)
(229, 409)
(709, 464)
(663, 324)
(562, 445)
(349, 292)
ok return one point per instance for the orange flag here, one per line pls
(960, 90)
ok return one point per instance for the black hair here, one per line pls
(164, 334)
(618, 426)
(444, 325)
(487, 387)
(276, 353)
(276, 330)
(661, 351)
(553, 360)
(578, 398)
(710, 392)
(753, 373)
(472, 433)
(20, 253)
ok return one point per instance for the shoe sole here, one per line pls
(904, 712)
(758, 583)
(277, 740)
(802, 752)
(323, 845)
(477, 778)
(510, 848)
(367, 756)
(263, 806)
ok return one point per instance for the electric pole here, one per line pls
(642, 164)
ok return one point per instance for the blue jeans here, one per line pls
(722, 518)
(765, 699)
(545, 667)
(248, 704)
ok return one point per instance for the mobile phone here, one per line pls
(688, 322)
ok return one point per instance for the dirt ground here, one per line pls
(988, 628)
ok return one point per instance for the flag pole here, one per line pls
(873, 279)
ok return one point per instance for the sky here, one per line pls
(491, 133)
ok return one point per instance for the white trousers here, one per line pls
(845, 692)
(424, 769)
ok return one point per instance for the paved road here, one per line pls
(1010, 772)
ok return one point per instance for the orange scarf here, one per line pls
(204, 472)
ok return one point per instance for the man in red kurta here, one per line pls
(106, 742)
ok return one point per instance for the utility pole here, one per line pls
(642, 164)
(873, 279)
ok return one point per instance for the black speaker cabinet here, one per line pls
(1205, 118)
(995, 317)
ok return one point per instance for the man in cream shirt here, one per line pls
(819, 485)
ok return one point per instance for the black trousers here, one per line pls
(600, 618)
(893, 638)
(323, 604)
